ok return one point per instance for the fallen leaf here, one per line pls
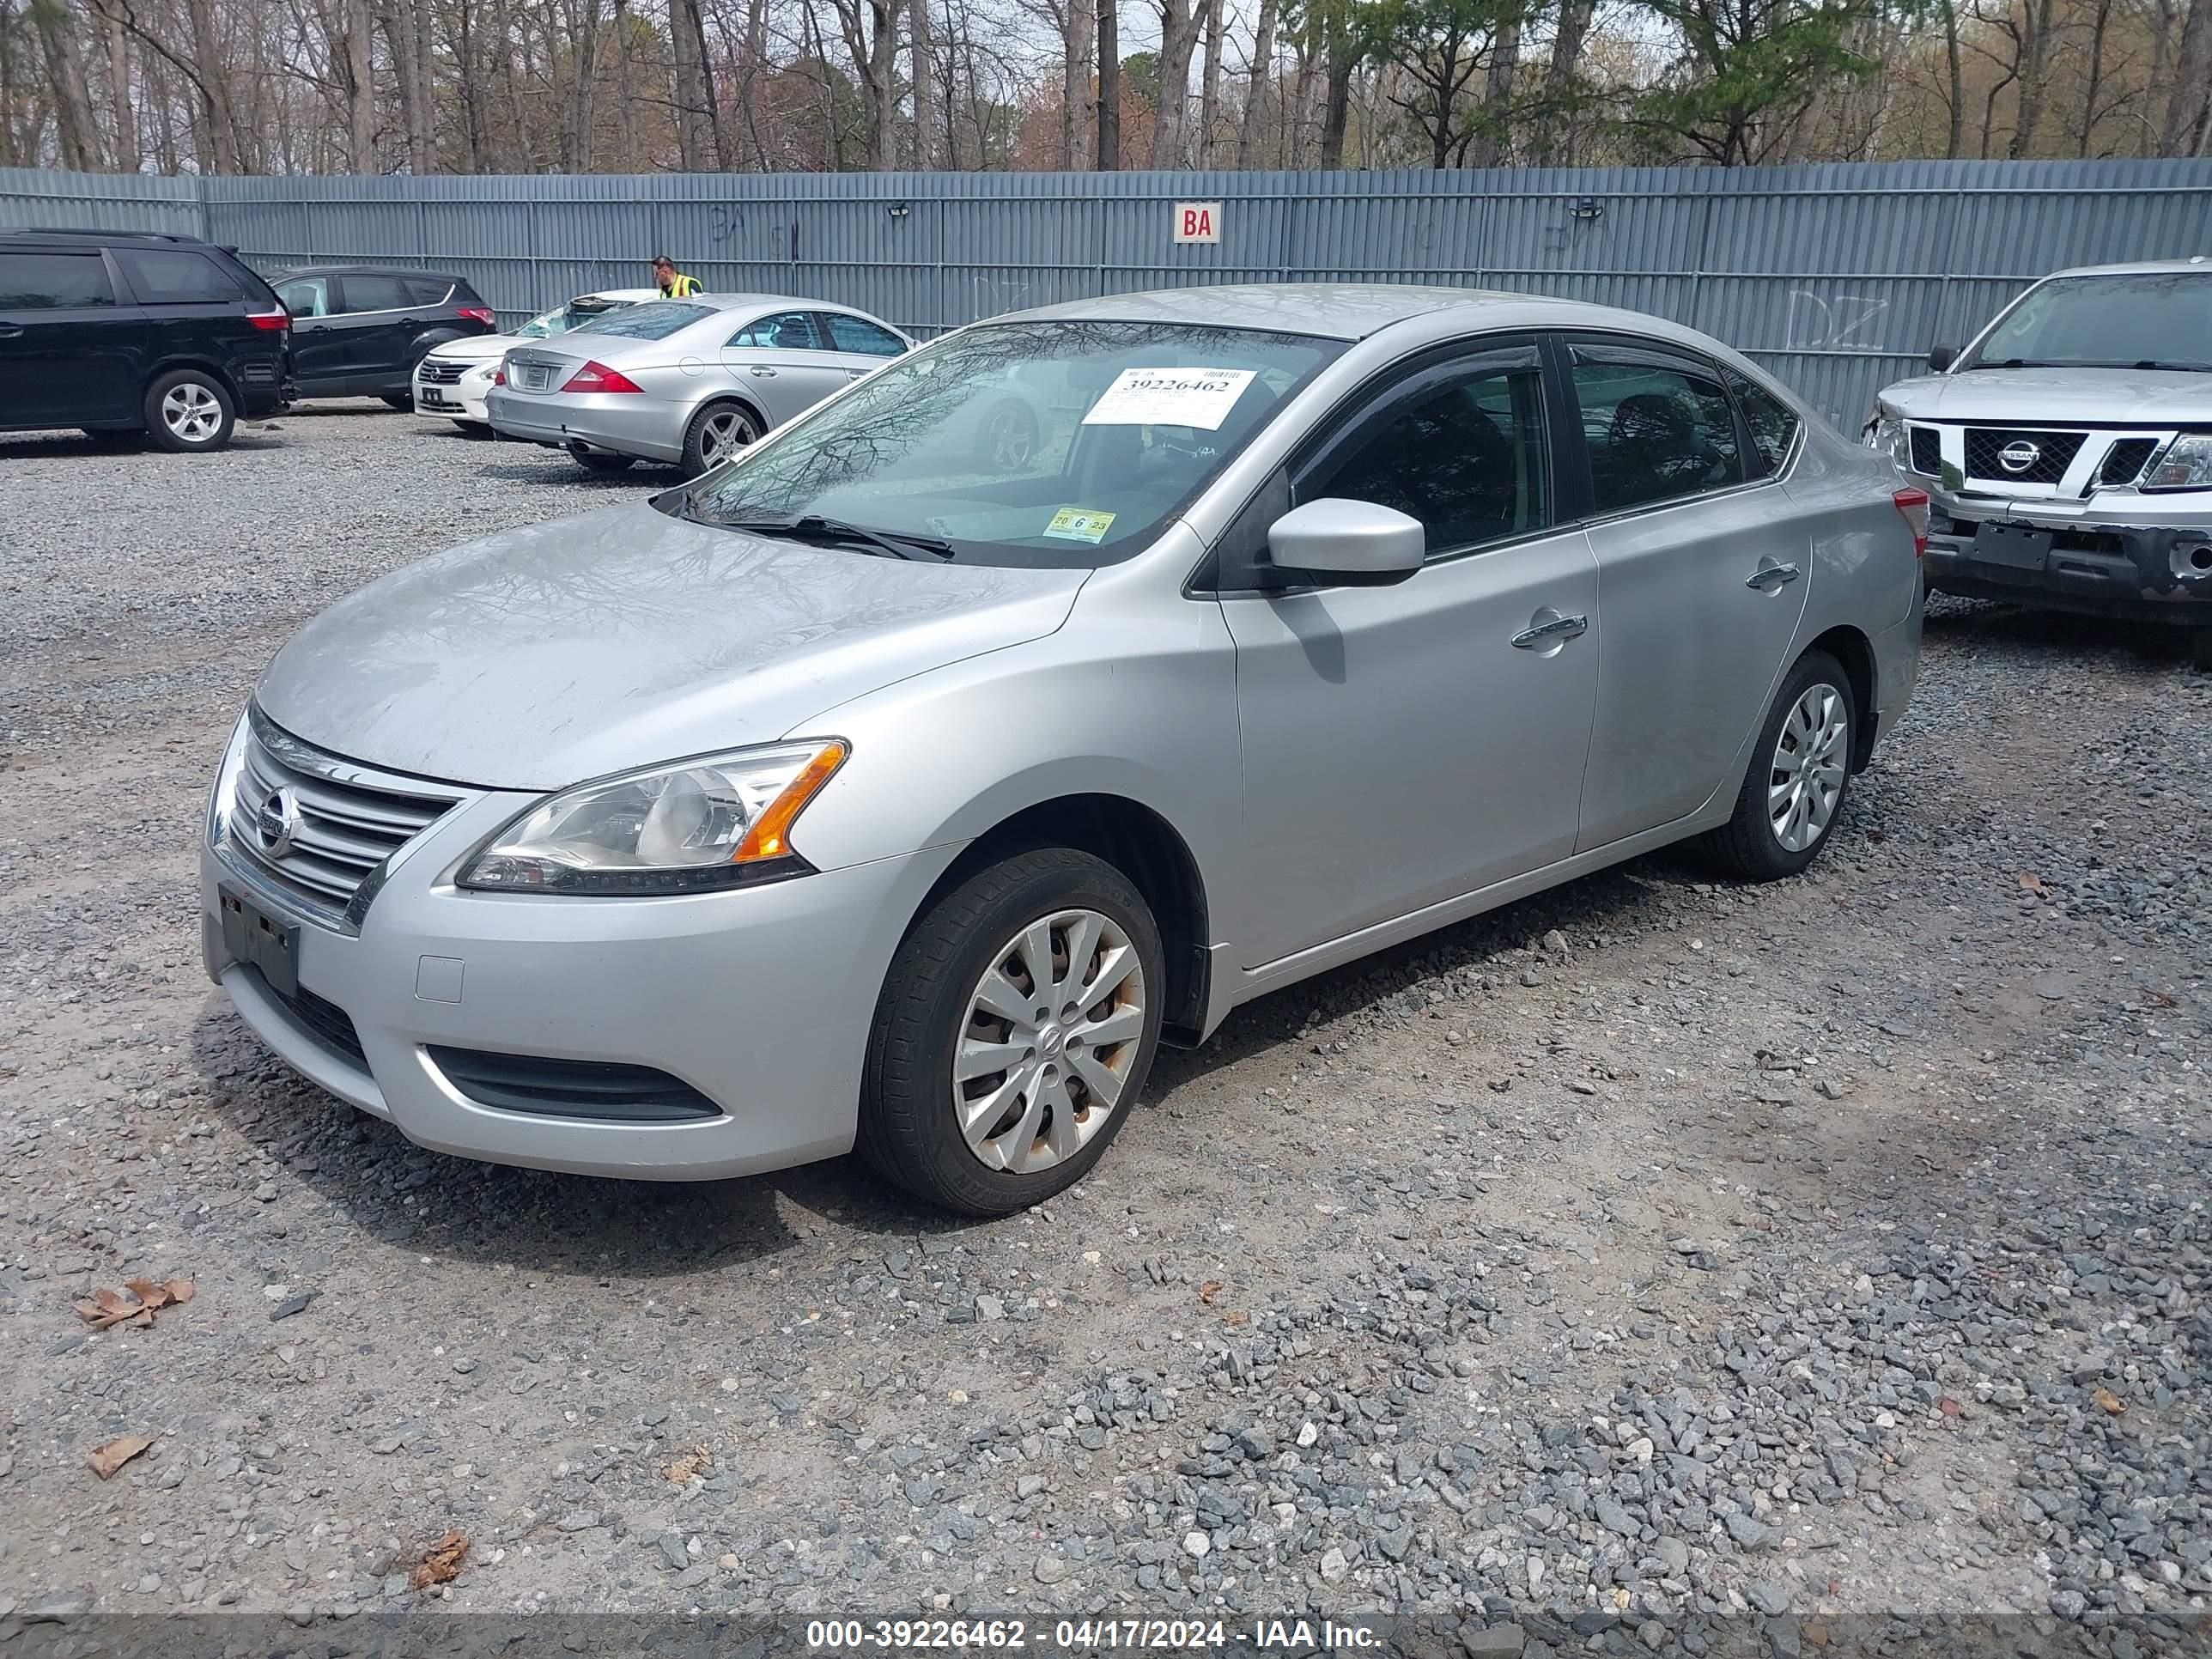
(2158, 1000)
(2033, 885)
(1236, 1319)
(1949, 1406)
(443, 1561)
(2105, 1398)
(109, 1308)
(1208, 1291)
(106, 1459)
(688, 1465)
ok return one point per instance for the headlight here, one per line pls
(1885, 434)
(720, 821)
(2186, 465)
(224, 794)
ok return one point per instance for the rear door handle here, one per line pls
(1771, 574)
(1557, 631)
(769, 374)
(10, 331)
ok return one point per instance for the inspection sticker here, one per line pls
(1199, 398)
(1080, 524)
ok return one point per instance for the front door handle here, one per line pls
(11, 331)
(1772, 574)
(1556, 631)
(766, 373)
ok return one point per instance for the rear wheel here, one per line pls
(2200, 649)
(402, 401)
(187, 410)
(601, 460)
(1015, 1030)
(716, 432)
(1801, 771)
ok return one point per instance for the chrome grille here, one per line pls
(316, 825)
(2125, 460)
(431, 372)
(1927, 452)
(2043, 457)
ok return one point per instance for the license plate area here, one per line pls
(2013, 545)
(432, 400)
(533, 378)
(253, 936)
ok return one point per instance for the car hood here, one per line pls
(2109, 397)
(542, 656)
(477, 348)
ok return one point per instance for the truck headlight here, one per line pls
(690, 827)
(2186, 464)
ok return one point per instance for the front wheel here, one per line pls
(1015, 1030)
(1801, 771)
(188, 411)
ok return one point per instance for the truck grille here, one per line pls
(431, 372)
(2048, 454)
(1927, 450)
(2125, 460)
(316, 824)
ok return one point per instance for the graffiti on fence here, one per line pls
(1841, 322)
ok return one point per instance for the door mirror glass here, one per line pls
(1338, 543)
(1941, 357)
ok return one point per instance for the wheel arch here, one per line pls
(728, 395)
(1147, 850)
(1849, 647)
(202, 364)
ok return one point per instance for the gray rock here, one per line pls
(1051, 1569)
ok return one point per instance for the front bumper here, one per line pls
(760, 999)
(2093, 565)
(622, 423)
(463, 400)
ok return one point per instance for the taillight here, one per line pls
(598, 377)
(477, 314)
(1913, 504)
(274, 322)
(499, 375)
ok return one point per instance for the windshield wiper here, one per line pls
(812, 527)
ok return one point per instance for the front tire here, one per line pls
(1799, 777)
(188, 412)
(1014, 1034)
(716, 432)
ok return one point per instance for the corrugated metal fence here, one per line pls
(1838, 277)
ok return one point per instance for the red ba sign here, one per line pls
(1198, 221)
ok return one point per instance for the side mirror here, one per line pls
(1941, 357)
(1340, 543)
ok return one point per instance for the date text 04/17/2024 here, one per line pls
(1089, 1635)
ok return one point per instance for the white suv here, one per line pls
(452, 380)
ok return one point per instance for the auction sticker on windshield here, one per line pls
(1078, 524)
(1200, 397)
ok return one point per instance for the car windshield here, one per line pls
(2144, 320)
(656, 320)
(562, 319)
(1062, 443)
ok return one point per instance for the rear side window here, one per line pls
(53, 282)
(435, 291)
(859, 334)
(656, 320)
(1772, 426)
(787, 331)
(1466, 453)
(176, 277)
(306, 296)
(374, 293)
(1655, 427)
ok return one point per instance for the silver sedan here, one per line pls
(897, 786)
(688, 382)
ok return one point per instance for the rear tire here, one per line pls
(600, 460)
(1799, 779)
(1011, 1136)
(2200, 649)
(404, 401)
(188, 412)
(717, 432)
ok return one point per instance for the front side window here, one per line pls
(656, 320)
(1655, 427)
(1772, 425)
(53, 282)
(1467, 455)
(858, 334)
(1064, 445)
(163, 276)
(374, 293)
(787, 331)
(2141, 319)
(306, 296)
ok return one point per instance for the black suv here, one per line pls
(358, 331)
(121, 331)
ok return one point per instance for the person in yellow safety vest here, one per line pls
(674, 284)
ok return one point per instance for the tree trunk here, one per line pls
(690, 100)
(118, 93)
(2189, 100)
(1209, 85)
(1336, 112)
(360, 89)
(1956, 140)
(2099, 27)
(2034, 66)
(918, 53)
(1488, 146)
(213, 82)
(1559, 84)
(74, 131)
(585, 70)
(1171, 122)
(633, 158)
(749, 81)
(1109, 89)
(1079, 24)
(1296, 112)
(1258, 83)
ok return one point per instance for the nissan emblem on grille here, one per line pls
(276, 823)
(2018, 456)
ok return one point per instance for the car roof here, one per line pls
(2199, 262)
(49, 233)
(1349, 311)
(291, 271)
(627, 295)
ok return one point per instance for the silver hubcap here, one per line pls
(1052, 1031)
(1008, 438)
(190, 411)
(1807, 778)
(725, 433)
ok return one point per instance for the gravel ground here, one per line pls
(1648, 1264)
